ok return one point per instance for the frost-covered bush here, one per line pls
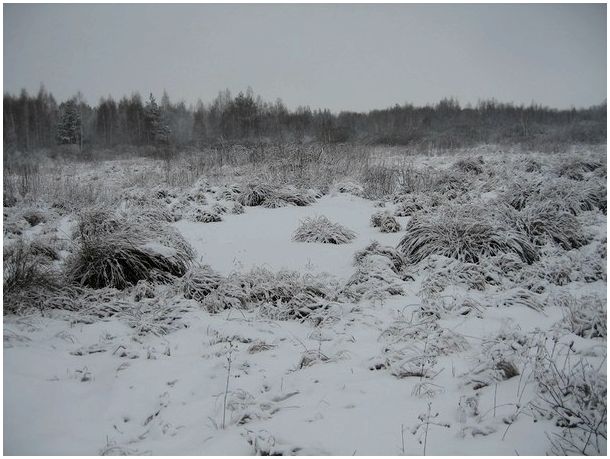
(466, 232)
(321, 229)
(379, 181)
(117, 250)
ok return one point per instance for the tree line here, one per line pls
(38, 121)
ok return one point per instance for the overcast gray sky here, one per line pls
(351, 57)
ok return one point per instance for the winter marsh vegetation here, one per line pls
(465, 288)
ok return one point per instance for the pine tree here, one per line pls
(157, 131)
(69, 125)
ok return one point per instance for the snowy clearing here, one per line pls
(477, 328)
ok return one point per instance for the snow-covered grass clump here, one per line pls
(385, 222)
(118, 250)
(283, 295)
(321, 229)
(466, 232)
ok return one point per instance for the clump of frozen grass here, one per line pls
(376, 277)
(28, 279)
(200, 215)
(258, 194)
(118, 250)
(219, 209)
(385, 222)
(375, 248)
(574, 196)
(159, 313)
(465, 232)
(34, 216)
(573, 393)
(445, 272)
(519, 296)
(321, 229)
(585, 316)
(576, 168)
(411, 347)
(237, 208)
(281, 296)
(543, 221)
(350, 187)
(254, 194)
(503, 355)
(199, 281)
(470, 165)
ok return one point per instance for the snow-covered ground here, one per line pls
(239, 382)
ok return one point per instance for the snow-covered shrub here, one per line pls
(117, 250)
(321, 229)
(585, 316)
(379, 181)
(199, 281)
(385, 222)
(466, 232)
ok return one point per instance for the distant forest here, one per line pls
(38, 121)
